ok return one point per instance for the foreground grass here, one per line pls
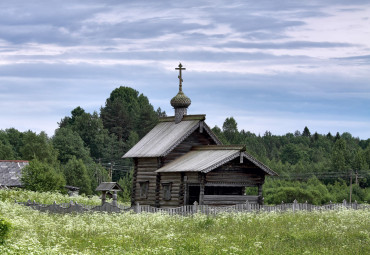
(331, 232)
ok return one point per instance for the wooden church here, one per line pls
(181, 161)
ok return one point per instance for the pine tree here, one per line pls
(306, 132)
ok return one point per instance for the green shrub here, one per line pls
(41, 176)
(4, 229)
(288, 195)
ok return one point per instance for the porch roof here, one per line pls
(206, 158)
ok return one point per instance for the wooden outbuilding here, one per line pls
(106, 188)
(181, 161)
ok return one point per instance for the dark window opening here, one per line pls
(144, 189)
(219, 190)
(167, 191)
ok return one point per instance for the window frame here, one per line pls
(144, 187)
(167, 191)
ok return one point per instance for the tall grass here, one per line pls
(45, 197)
(330, 232)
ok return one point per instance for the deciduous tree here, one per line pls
(42, 176)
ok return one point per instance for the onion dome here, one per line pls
(180, 100)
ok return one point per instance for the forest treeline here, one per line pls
(317, 168)
(86, 149)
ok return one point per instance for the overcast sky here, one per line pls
(272, 65)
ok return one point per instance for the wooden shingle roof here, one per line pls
(109, 186)
(166, 135)
(206, 158)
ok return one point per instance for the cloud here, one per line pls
(287, 45)
(289, 62)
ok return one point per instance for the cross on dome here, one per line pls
(180, 68)
(180, 102)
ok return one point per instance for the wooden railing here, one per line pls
(228, 199)
(193, 209)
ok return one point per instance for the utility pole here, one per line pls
(350, 188)
(110, 171)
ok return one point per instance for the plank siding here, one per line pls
(236, 172)
(195, 139)
(192, 177)
(220, 200)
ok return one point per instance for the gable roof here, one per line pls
(166, 135)
(207, 158)
(10, 172)
(109, 186)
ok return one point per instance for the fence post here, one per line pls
(344, 203)
(248, 206)
(355, 205)
(195, 207)
(114, 202)
(295, 205)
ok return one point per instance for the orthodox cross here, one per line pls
(180, 76)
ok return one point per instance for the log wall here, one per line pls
(146, 172)
(233, 172)
(195, 139)
(176, 191)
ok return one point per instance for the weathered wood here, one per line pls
(260, 198)
(195, 139)
(181, 189)
(228, 199)
(248, 206)
(134, 181)
(146, 173)
(201, 192)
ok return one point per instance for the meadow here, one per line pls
(34, 232)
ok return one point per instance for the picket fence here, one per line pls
(192, 209)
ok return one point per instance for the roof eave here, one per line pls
(259, 164)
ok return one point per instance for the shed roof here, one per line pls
(109, 186)
(10, 172)
(206, 158)
(166, 135)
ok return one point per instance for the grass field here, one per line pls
(331, 232)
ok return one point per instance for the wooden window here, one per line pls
(144, 189)
(167, 190)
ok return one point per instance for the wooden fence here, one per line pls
(192, 209)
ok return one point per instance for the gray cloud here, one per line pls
(57, 55)
(287, 45)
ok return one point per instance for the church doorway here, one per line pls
(193, 194)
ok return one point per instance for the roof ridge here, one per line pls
(185, 118)
(219, 147)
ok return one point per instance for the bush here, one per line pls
(40, 176)
(4, 229)
(288, 195)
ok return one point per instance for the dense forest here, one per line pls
(87, 149)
